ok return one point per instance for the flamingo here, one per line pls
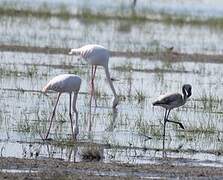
(171, 101)
(65, 83)
(96, 55)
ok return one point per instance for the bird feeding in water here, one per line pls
(171, 101)
(96, 55)
(65, 83)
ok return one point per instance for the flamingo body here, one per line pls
(171, 101)
(65, 83)
(96, 55)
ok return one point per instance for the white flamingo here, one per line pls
(96, 55)
(171, 101)
(65, 83)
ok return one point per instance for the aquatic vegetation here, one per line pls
(207, 128)
(26, 126)
(64, 12)
(140, 96)
(79, 71)
(210, 102)
(91, 154)
(43, 11)
(125, 67)
(31, 71)
(4, 71)
(13, 70)
(151, 53)
(146, 129)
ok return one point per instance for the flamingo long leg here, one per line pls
(92, 88)
(76, 130)
(70, 114)
(164, 126)
(164, 131)
(53, 113)
(91, 84)
(180, 124)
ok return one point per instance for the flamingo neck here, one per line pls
(110, 81)
(115, 100)
(184, 95)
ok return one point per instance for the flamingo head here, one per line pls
(187, 90)
(70, 52)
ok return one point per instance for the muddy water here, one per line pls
(116, 35)
(200, 8)
(130, 126)
(132, 133)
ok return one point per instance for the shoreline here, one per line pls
(171, 56)
(50, 168)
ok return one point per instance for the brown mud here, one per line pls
(171, 56)
(13, 168)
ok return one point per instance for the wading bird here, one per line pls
(65, 83)
(171, 101)
(96, 55)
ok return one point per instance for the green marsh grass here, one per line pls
(63, 11)
(13, 70)
(31, 71)
(210, 102)
(125, 67)
(43, 11)
(205, 129)
(139, 96)
(147, 129)
(10, 71)
(201, 127)
(25, 125)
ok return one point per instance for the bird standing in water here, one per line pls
(96, 55)
(171, 101)
(65, 83)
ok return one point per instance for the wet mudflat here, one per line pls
(53, 168)
(148, 57)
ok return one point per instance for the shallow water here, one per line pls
(134, 130)
(200, 8)
(134, 121)
(124, 35)
(93, 172)
(116, 35)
